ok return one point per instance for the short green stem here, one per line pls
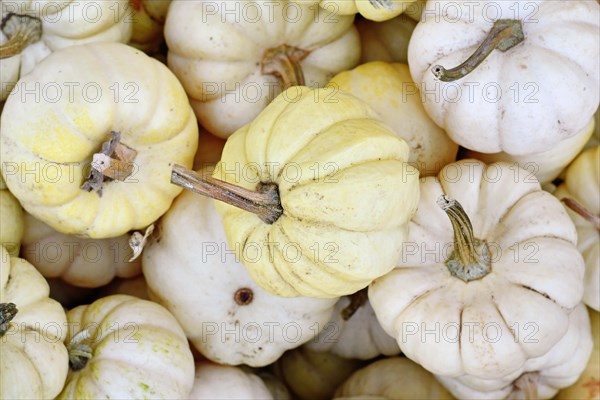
(7, 312)
(470, 259)
(79, 352)
(504, 35)
(21, 31)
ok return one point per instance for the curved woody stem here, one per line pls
(582, 211)
(504, 35)
(79, 352)
(470, 258)
(7, 312)
(284, 63)
(21, 31)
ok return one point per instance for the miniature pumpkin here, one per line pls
(389, 90)
(214, 381)
(579, 193)
(34, 360)
(541, 377)
(190, 263)
(244, 53)
(123, 347)
(588, 385)
(48, 143)
(333, 194)
(506, 261)
(354, 331)
(520, 99)
(11, 221)
(78, 261)
(392, 378)
(547, 165)
(33, 30)
(385, 41)
(148, 23)
(375, 10)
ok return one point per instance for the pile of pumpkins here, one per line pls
(300, 199)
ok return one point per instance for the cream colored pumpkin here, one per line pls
(136, 287)
(588, 385)
(314, 375)
(582, 184)
(136, 350)
(78, 261)
(58, 140)
(11, 221)
(219, 60)
(359, 336)
(344, 194)
(389, 90)
(190, 264)
(558, 368)
(214, 381)
(33, 358)
(385, 41)
(375, 10)
(392, 378)
(148, 22)
(453, 309)
(547, 165)
(524, 100)
(64, 24)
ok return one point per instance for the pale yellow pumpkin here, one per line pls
(376, 10)
(11, 220)
(213, 381)
(385, 41)
(390, 91)
(48, 142)
(148, 22)
(33, 358)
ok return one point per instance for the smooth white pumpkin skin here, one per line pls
(392, 378)
(58, 139)
(64, 24)
(582, 184)
(138, 351)
(559, 368)
(547, 165)
(202, 269)
(549, 85)
(359, 337)
(214, 381)
(33, 359)
(385, 41)
(532, 244)
(218, 61)
(78, 261)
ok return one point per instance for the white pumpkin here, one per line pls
(385, 41)
(354, 331)
(78, 261)
(582, 184)
(59, 25)
(190, 264)
(523, 100)
(547, 165)
(457, 294)
(541, 377)
(11, 220)
(229, 61)
(123, 347)
(214, 381)
(392, 378)
(33, 359)
(314, 375)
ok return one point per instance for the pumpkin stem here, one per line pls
(7, 313)
(357, 300)
(105, 168)
(505, 34)
(79, 352)
(386, 4)
(264, 202)
(21, 31)
(582, 211)
(284, 63)
(528, 384)
(470, 258)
